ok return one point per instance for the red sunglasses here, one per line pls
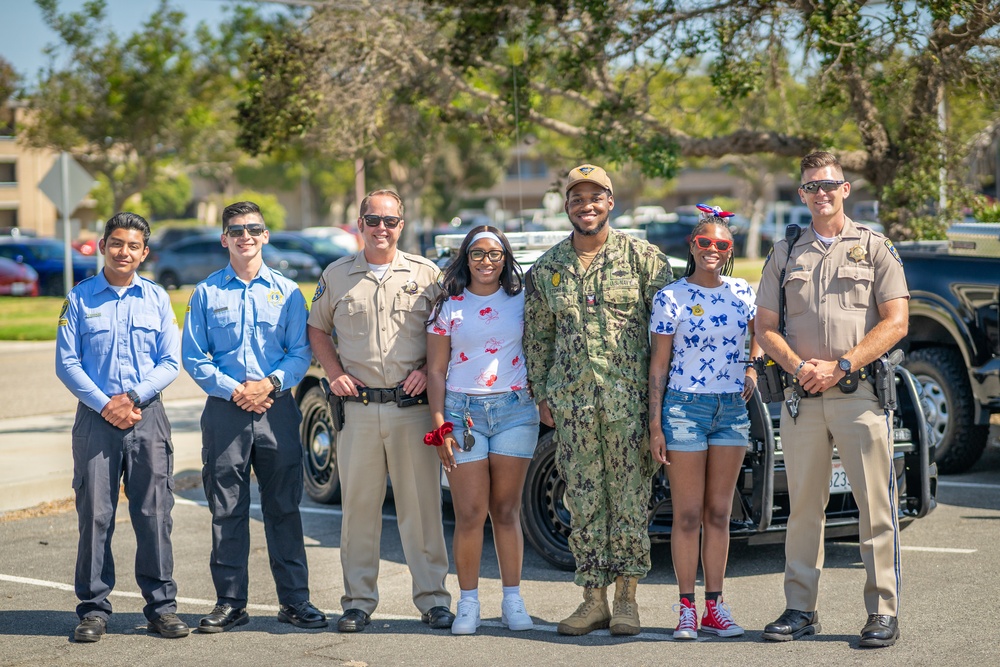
(705, 242)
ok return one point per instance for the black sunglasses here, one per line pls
(390, 221)
(478, 255)
(253, 229)
(812, 187)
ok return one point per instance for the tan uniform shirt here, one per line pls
(832, 294)
(381, 336)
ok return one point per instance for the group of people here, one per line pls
(632, 369)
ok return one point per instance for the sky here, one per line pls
(23, 35)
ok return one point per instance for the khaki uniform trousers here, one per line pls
(376, 439)
(862, 433)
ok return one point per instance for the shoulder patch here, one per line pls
(893, 251)
(320, 288)
(769, 253)
(62, 311)
(529, 283)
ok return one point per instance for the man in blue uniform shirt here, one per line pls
(245, 344)
(116, 350)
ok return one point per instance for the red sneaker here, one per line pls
(718, 620)
(687, 628)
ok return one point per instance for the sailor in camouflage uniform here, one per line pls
(587, 303)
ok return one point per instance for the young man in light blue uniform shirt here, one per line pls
(245, 344)
(116, 350)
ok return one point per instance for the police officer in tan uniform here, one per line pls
(378, 302)
(845, 307)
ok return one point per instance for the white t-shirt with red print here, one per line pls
(486, 352)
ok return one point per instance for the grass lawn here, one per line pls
(35, 318)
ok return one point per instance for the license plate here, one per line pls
(838, 480)
(17, 289)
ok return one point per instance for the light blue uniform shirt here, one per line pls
(108, 343)
(236, 332)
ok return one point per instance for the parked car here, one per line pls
(642, 216)
(192, 260)
(16, 231)
(47, 257)
(347, 239)
(321, 248)
(17, 279)
(760, 505)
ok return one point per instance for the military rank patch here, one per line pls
(320, 288)
(697, 311)
(276, 298)
(556, 278)
(893, 251)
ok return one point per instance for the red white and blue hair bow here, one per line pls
(713, 211)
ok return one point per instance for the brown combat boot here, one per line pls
(592, 614)
(625, 619)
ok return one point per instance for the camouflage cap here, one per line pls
(590, 173)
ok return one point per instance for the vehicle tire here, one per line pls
(544, 517)
(949, 406)
(53, 285)
(169, 280)
(319, 449)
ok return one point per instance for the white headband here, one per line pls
(486, 235)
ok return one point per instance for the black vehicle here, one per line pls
(953, 344)
(320, 248)
(760, 505)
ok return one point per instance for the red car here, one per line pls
(17, 279)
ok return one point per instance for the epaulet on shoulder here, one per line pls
(866, 228)
(420, 259)
(88, 278)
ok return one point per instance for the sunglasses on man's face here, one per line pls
(390, 221)
(253, 229)
(478, 255)
(812, 187)
(705, 242)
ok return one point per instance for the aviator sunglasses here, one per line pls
(705, 242)
(253, 229)
(478, 255)
(812, 187)
(390, 221)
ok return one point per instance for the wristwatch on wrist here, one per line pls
(275, 381)
(133, 396)
(844, 365)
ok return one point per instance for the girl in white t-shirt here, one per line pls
(486, 423)
(699, 383)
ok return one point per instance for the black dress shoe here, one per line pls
(353, 620)
(302, 615)
(169, 626)
(791, 625)
(879, 631)
(223, 617)
(91, 629)
(439, 618)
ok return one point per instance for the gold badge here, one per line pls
(410, 287)
(555, 279)
(276, 298)
(857, 253)
(698, 311)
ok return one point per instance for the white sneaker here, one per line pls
(467, 618)
(514, 614)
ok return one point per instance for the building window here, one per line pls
(8, 175)
(8, 217)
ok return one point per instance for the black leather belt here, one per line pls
(146, 404)
(396, 395)
(279, 394)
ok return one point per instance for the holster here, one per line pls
(884, 378)
(769, 380)
(336, 406)
(404, 400)
(849, 383)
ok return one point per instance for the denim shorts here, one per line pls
(505, 424)
(692, 422)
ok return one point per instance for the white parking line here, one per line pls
(968, 485)
(272, 609)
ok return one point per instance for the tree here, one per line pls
(879, 77)
(122, 106)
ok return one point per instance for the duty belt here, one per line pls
(396, 395)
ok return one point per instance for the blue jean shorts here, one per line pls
(505, 424)
(692, 422)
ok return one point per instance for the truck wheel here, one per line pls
(169, 280)
(948, 404)
(544, 517)
(319, 443)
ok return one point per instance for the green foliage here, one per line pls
(168, 196)
(986, 210)
(272, 210)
